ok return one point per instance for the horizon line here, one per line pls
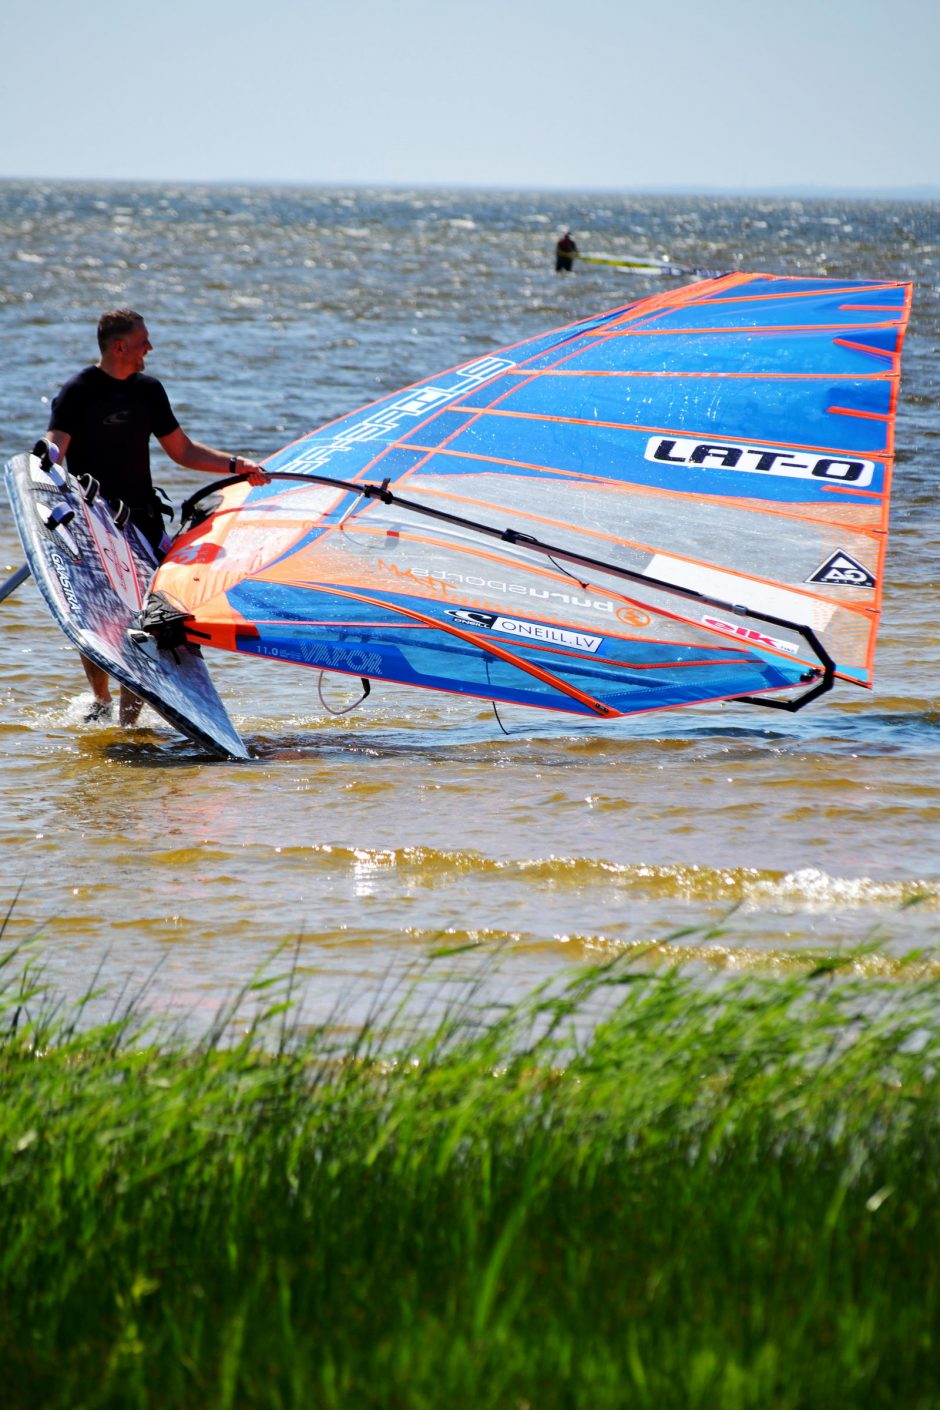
(789, 191)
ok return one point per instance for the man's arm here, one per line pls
(194, 456)
(60, 439)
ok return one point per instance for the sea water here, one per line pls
(719, 838)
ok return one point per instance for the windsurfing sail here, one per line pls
(639, 264)
(677, 501)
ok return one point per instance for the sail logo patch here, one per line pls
(385, 423)
(841, 570)
(632, 616)
(342, 658)
(450, 584)
(526, 631)
(762, 460)
(751, 635)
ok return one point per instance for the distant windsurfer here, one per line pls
(102, 421)
(565, 253)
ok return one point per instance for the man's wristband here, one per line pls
(232, 464)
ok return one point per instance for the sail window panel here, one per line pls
(447, 589)
(746, 565)
(628, 530)
(440, 571)
(440, 568)
(388, 548)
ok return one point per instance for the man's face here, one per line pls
(133, 347)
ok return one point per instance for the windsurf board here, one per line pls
(93, 569)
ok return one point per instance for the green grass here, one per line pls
(722, 1195)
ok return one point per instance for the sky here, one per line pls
(689, 95)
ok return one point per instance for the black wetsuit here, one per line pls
(565, 251)
(110, 422)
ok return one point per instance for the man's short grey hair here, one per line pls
(116, 324)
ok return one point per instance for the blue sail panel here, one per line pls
(648, 353)
(841, 416)
(471, 652)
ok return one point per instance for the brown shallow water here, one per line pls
(366, 842)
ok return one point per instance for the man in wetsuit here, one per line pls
(565, 252)
(102, 421)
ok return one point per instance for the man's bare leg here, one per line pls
(130, 707)
(100, 683)
(100, 689)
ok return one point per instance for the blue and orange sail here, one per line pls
(681, 500)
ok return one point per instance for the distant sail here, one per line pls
(681, 500)
(639, 264)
